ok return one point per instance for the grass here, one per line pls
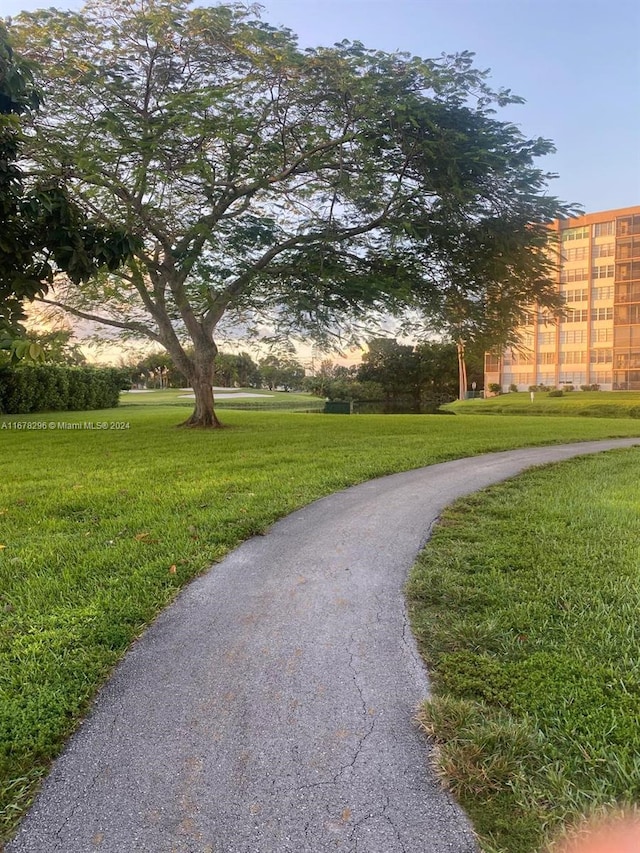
(263, 400)
(525, 604)
(100, 528)
(589, 404)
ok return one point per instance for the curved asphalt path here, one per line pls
(270, 708)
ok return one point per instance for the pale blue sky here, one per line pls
(576, 62)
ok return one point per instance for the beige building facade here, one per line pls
(597, 340)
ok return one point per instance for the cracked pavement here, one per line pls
(270, 709)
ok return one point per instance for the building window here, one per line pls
(628, 292)
(546, 338)
(629, 248)
(603, 377)
(625, 336)
(521, 357)
(574, 234)
(605, 271)
(546, 358)
(602, 313)
(628, 225)
(573, 357)
(604, 229)
(601, 356)
(602, 292)
(627, 314)
(579, 253)
(628, 359)
(628, 271)
(574, 336)
(578, 295)
(577, 316)
(604, 250)
(581, 274)
(601, 336)
(572, 378)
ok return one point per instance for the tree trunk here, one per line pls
(462, 371)
(201, 380)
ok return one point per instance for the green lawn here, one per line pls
(100, 528)
(230, 398)
(526, 604)
(591, 404)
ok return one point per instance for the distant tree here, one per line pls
(351, 388)
(158, 371)
(437, 371)
(325, 375)
(247, 371)
(224, 371)
(266, 183)
(236, 369)
(411, 376)
(394, 366)
(269, 371)
(285, 373)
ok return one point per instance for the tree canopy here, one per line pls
(43, 229)
(268, 186)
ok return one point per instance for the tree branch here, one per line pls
(220, 303)
(130, 326)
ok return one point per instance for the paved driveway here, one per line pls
(270, 708)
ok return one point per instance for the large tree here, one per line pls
(266, 183)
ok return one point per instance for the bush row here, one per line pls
(49, 388)
(565, 387)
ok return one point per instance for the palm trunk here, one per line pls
(462, 371)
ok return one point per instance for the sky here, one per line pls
(575, 62)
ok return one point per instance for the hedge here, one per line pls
(49, 388)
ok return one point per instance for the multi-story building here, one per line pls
(597, 340)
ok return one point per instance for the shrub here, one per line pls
(556, 393)
(542, 387)
(513, 388)
(568, 388)
(495, 388)
(351, 389)
(50, 388)
(593, 387)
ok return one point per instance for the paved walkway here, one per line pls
(270, 708)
